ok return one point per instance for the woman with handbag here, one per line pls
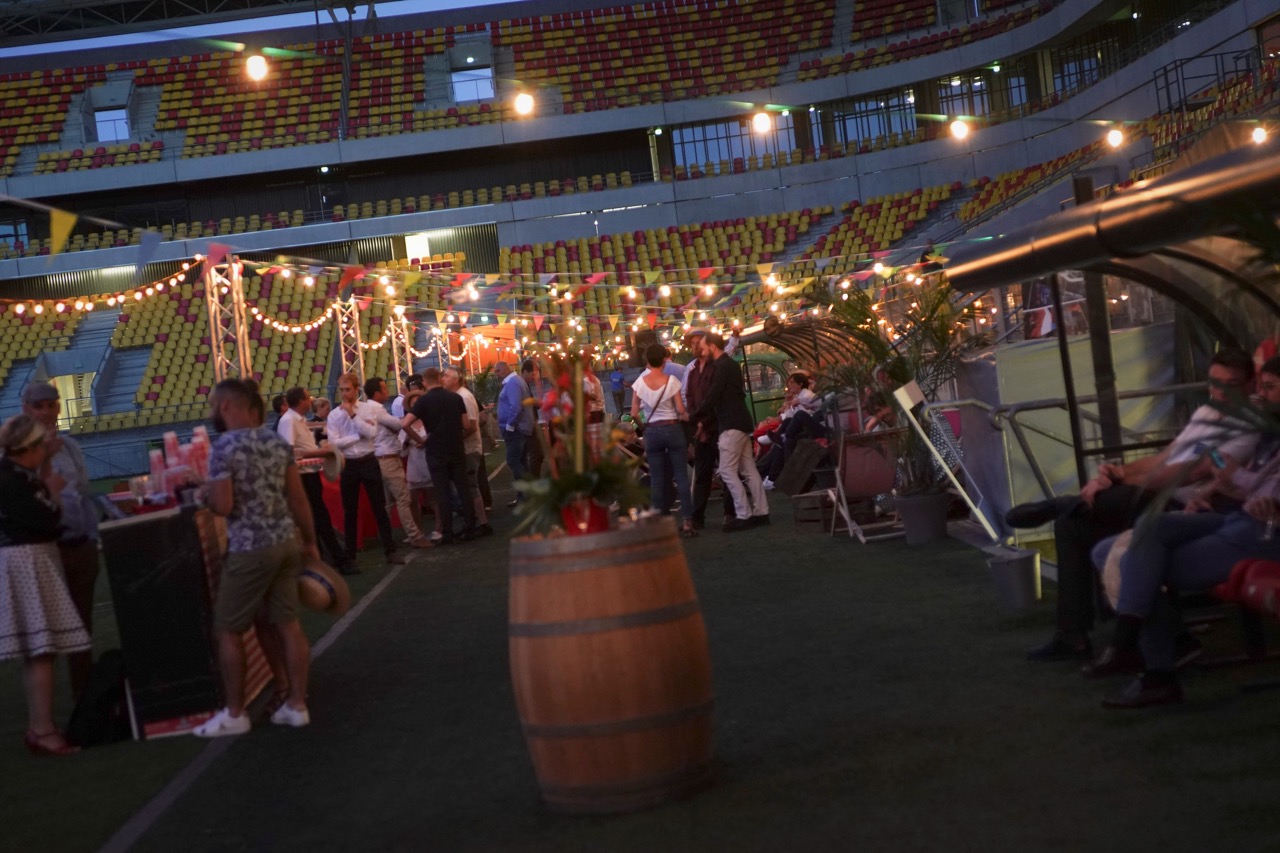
(656, 396)
(37, 616)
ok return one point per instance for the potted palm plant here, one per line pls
(918, 335)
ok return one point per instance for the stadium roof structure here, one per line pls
(37, 21)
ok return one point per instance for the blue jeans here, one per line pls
(516, 442)
(666, 452)
(1190, 552)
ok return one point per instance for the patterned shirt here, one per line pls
(256, 461)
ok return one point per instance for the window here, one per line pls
(472, 84)
(730, 140)
(868, 119)
(113, 125)
(13, 231)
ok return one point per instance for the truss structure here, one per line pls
(228, 323)
(350, 346)
(401, 347)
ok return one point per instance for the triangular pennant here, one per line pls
(651, 276)
(652, 319)
(804, 282)
(821, 263)
(546, 278)
(537, 321)
(613, 321)
(705, 273)
(216, 254)
(688, 316)
(764, 269)
(349, 274)
(460, 279)
(148, 244)
(60, 224)
(463, 316)
(502, 319)
(411, 278)
(440, 315)
(596, 278)
(492, 278)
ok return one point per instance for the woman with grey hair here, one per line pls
(38, 619)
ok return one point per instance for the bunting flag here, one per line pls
(805, 282)
(613, 322)
(688, 316)
(148, 243)
(596, 278)
(863, 275)
(349, 274)
(582, 288)
(216, 254)
(705, 273)
(502, 319)
(411, 278)
(821, 263)
(463, 316)
(492, 278)
(60, 224)
(363, 304)
(764, 269)
(440, 315)
(652, 276)
(546, 278)
(652, 320)
(537, 321)
(881, 255)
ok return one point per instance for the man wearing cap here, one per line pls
(411, 382)
(293, 429)
(78, 544)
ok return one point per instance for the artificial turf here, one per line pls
(866, 695)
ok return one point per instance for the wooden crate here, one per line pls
(812, 511)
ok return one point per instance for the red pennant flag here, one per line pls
(461, 279)
(537, 321)
(216, 254)
(653, 320)
(349, 274)
(705, 273)
(596, 278)
(462, 317)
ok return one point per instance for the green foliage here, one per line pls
(610, 479)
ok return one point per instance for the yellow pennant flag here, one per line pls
(492, 278)
(652, 276)
(411, 278)
(60, 224)
(440, 315)
(613, 322)
(502, 319)
(764, 269)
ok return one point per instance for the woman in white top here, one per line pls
(657, 397)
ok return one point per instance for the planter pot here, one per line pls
(924, 517)
(1016, 574)
(610, 667)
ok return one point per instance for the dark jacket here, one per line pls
(28, 513)
(697, 384)
(725, 398)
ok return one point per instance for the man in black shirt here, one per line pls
(726, 399)
(444, 416)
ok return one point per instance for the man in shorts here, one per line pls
(254, 483)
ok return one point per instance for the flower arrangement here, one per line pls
(587, 468)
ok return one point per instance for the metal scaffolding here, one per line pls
(350, 346)
(228, 324)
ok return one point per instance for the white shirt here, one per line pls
(397, 406)
(386, 440)
(471, 443)
(663, 398)
(1209, 427)
(353, 438)
(293, 429)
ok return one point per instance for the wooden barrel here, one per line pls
(610, 667)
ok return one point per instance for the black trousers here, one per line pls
(445, 470)
(706, 459)
(355, 474)
(1114, 511)
(326, 536)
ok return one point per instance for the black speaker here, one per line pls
(640, 341)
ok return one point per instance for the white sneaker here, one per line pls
(223, 724)
(768, 484)
(286, 716)
(436, 536)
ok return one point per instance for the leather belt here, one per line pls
(662, 423)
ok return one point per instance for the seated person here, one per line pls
(1237, 483)
(799, 416)
(1111, 502)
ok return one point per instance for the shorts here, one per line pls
(251, 577)
(473, 464)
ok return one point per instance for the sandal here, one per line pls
(38, 744)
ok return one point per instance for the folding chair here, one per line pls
(866, 466)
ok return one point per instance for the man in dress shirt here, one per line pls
(352, 433)
(388, 448)
(293, 429)
(515, 419)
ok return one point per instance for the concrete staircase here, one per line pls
(11, 392)
(119, 378)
